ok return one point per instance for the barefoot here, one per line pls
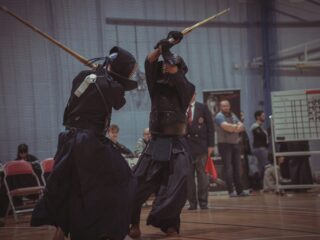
(135, 231)
(59, 235)
(172, 232)
(127, 238)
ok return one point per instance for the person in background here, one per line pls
(228, 127)
(113, 134)
(200, 137)
(260, 143)
(23, 154)
(142, 142)
(269, 178)
(20, 180)
(3, 199)
(245, 150)
(298, 167)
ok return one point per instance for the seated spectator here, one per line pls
(19, 181)
(112, 134)
(142, 142)
(297, 168)
(269, 178)
(23, 154)
(3, 199)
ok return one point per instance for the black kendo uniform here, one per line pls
(163, 166)
(90, 190)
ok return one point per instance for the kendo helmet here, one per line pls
(123, 67)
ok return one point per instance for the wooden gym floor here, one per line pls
(258, 217)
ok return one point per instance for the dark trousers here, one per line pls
(300, 171)
(244, 172)
(230, 156)
(168, 180)
(90, 191)
(198, 166)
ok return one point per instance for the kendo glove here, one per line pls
(176, 35)
(166, 44)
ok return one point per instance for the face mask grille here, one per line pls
(134, 73)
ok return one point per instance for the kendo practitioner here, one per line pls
(90, 191)
(164, 164)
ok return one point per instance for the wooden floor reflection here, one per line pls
(258, 217)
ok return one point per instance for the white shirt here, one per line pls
(192, 109)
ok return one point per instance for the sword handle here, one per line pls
(198, 24)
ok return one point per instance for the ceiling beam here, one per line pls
(183, 24)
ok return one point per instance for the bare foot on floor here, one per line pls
(135, 231)
(171, 232)
(59, 235)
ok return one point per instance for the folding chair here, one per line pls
(46, 167)
(17, 168)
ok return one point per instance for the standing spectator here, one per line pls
(142, 142)
(245, 150)
(113, 134)
(200, 136)
(228, 128)
(260, 143)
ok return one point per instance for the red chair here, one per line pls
(16, 168)
(46, 167)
